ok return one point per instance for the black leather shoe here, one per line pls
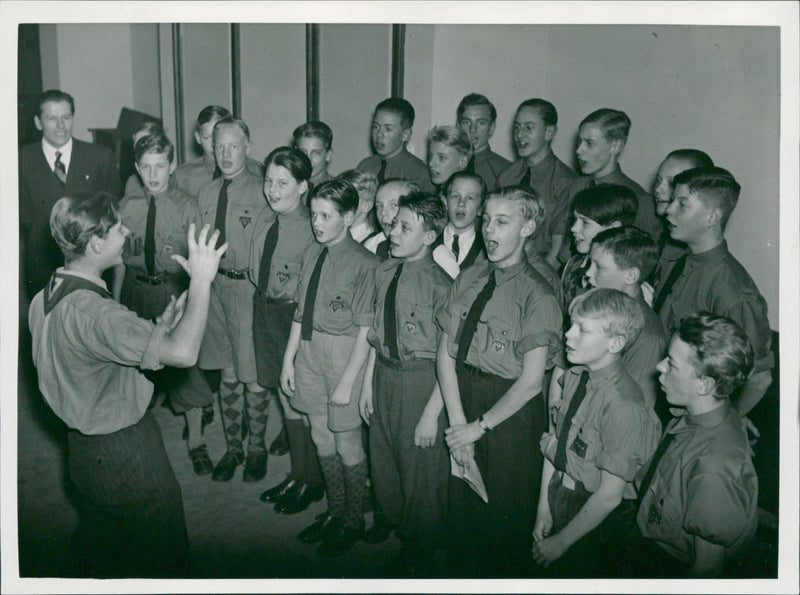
(313, 533)
(378, 533)
(274, 494)
(338, 539)
(279, 446)
(255, 466)
(299, 498)
(227, 465)
(201, 462)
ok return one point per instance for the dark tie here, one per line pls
(222, 211)
(560, 460)
(671, 279)
(455, 246)
(60, 170)
(390, 315)
(150, 238)
(217, 173)
(651, 470)
(471, 322)
(382, 172)
(307, 326)
(470, 169)
(270, 242)
(525, 181)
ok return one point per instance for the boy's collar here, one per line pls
(602, 374)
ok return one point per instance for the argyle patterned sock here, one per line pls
(231, 400)
(257, 414)
(332, 470)
(355, 482)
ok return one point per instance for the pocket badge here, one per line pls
(283, 277)
(410, 326)
(245, 221)
(499, 345)
(336, 305)
(579, 447)
(168, 249)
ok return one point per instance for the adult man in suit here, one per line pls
(56, 166)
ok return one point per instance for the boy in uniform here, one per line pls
(502, 331)
(89, 352)
(325, 360)
(601, 138)
(391, 130)
(601, 434)
(621, 258)
(449, 151)
(708, 277)
(535, 126)
(460, 243)
(315, 139)
(477, 116)
(408, 458)
(699, 494)
(158, 219)
(387, 203)
(232, 203)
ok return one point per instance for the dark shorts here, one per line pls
(272, 323)
(147, 300)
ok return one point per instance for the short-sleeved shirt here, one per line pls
(403, 165)
(612, 430)
(521, 315)
(715, 281)
(552, 180)
(294, 236)
(644, 353)
(646, 218)
(175, 211)
(345, 294)
(193, 175)
(246, 205)
(705, 485)
(543, 268)
(422, 292)
(87, 352)
(489, 165)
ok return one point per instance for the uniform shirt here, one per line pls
(705, 485)
(552, 180)
(175, 211)
(646, 218)
(294, 236)
(403, 165)
(544, 269)
(642, 355)
(714, 280)
(133, 185)
(346, 287)
(522, 314)
(246, 204)
(323, 177)
(422, 291)
(612, 430)
(193, 175)
(87, 351)
(489, 165)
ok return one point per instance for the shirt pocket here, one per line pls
(586, 443)
(337, 304)
(241, 219)
(285, 273)
(499, 342)
(664, 515)
(415, 326)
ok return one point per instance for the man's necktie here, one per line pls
(470, 169)
(307, 325)
(217, 173)
(150, 238)
(59, 169)
(471, 322)
(651, 470)
(382, 172)
(525, 181)
(270, 242)
(676, 271)
(560, 460)
(222, 211)
(455, 246)
(390, 315)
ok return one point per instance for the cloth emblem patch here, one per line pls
(410, 326)
(336, 305)
(245, 221)
(579, 447)
(283, 277)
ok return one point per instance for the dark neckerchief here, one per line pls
(54, 294)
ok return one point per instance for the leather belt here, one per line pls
(155, 279)
(233, 274)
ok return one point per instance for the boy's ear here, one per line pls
(632, 276)
(329, 155)
(38, 122)
(348, 217)
(527, 228)
(406, 134)
(197, 137)
(303, 187)
(172, 167)
(430, 237)
(247, 148)
(616, 343)
(462, 162)
(714, 217)
(139, 171)
(96, 244)
(492, 126)
(617, 146)
(550, 132)
(706, 386)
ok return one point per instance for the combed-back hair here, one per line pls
(410, 185)
(476, 99)
(619, 312)
(452, 136)
(153, 143)
(399, 106)
(695, 157)
(531, 205)
(428, 207)
(615, 124)
(294, 160)
(314, 129)
(465, 175)
(341, 193)
(607, 203)
(363, 181)
(547, 111)
(721, 349)
(148, 128)
(629, 247)
(74, 219)
(231, 121)
(211, 113)
(57, 96)
(714, 186)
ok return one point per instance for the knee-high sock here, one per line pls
(355, 481)
(257, 414)
(294, 433)
(231, 401)
(333, 471)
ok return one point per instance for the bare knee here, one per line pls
(350, 447)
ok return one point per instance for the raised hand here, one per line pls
(203, 261)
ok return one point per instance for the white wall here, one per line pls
(711, 88)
